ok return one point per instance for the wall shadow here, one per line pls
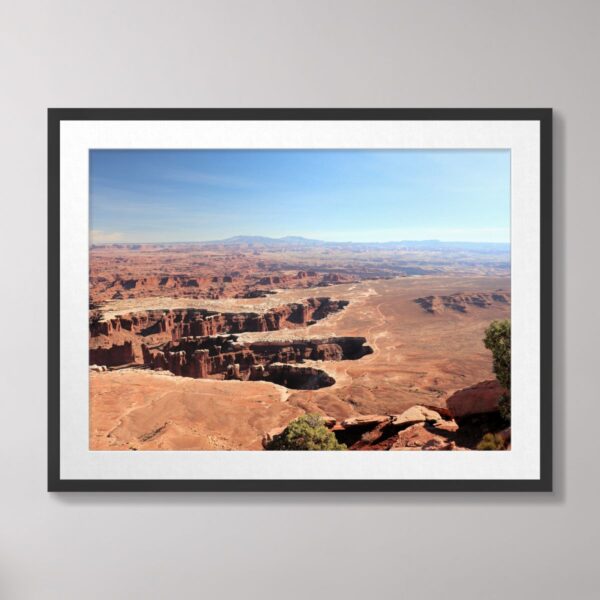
(412, 499)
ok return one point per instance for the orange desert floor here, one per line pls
(419, 358)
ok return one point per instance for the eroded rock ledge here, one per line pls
(184, 322)
(467, 416)
(462, 302)
(118, 341)
(224, 357)
(232, 283)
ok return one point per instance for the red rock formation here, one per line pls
(339, 348)
(198, 357)
(421, 436)
(117, 354)
(480, 398)
(364, 421)
(334, 278)
(298, 378)
(270, 280)
(217, 355)
(163, 325)
(462, 302)
(418, 428)
(199, 322)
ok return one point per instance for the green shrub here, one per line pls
(497, 339)
(504, 407)
(491, 441)
(307, 432)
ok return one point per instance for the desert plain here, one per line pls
(218, 346)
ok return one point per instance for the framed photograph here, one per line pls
(300, 300)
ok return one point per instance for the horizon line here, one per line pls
(298, 237)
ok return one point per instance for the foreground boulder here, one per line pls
(422, 437)
(364, 420)
(415, 414)
(480, 398)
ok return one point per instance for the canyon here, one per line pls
(219, 365)
(196, 346)
(253, 267)
(121, 339)
(226, 357)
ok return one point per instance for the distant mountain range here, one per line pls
(296, 241)
(258, 240)
(293, 240)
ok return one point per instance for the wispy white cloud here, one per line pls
(198, 177)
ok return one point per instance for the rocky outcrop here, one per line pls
(196, 279)
(416, 414)
(334, 278)
(386, 432)
(462, 302)
(111, 356)
(226, 357)
(420, 436)
(254, 294)
(198, 357)
(364, 421)
(140, 286)
(215, 271)
(334, 348)
(199, 322)
(298, 378)
(417, 428)
(155, 326)
(480, 398)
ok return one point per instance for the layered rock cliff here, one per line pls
(114, 355)
(462, 302)
(185, 322)
(227, 358)
(157, 326)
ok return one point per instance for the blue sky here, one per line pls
(334, 195)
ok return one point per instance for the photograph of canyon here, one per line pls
(275, 300)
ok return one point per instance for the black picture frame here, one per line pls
(58, 115)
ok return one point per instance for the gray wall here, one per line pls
(420, 53)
